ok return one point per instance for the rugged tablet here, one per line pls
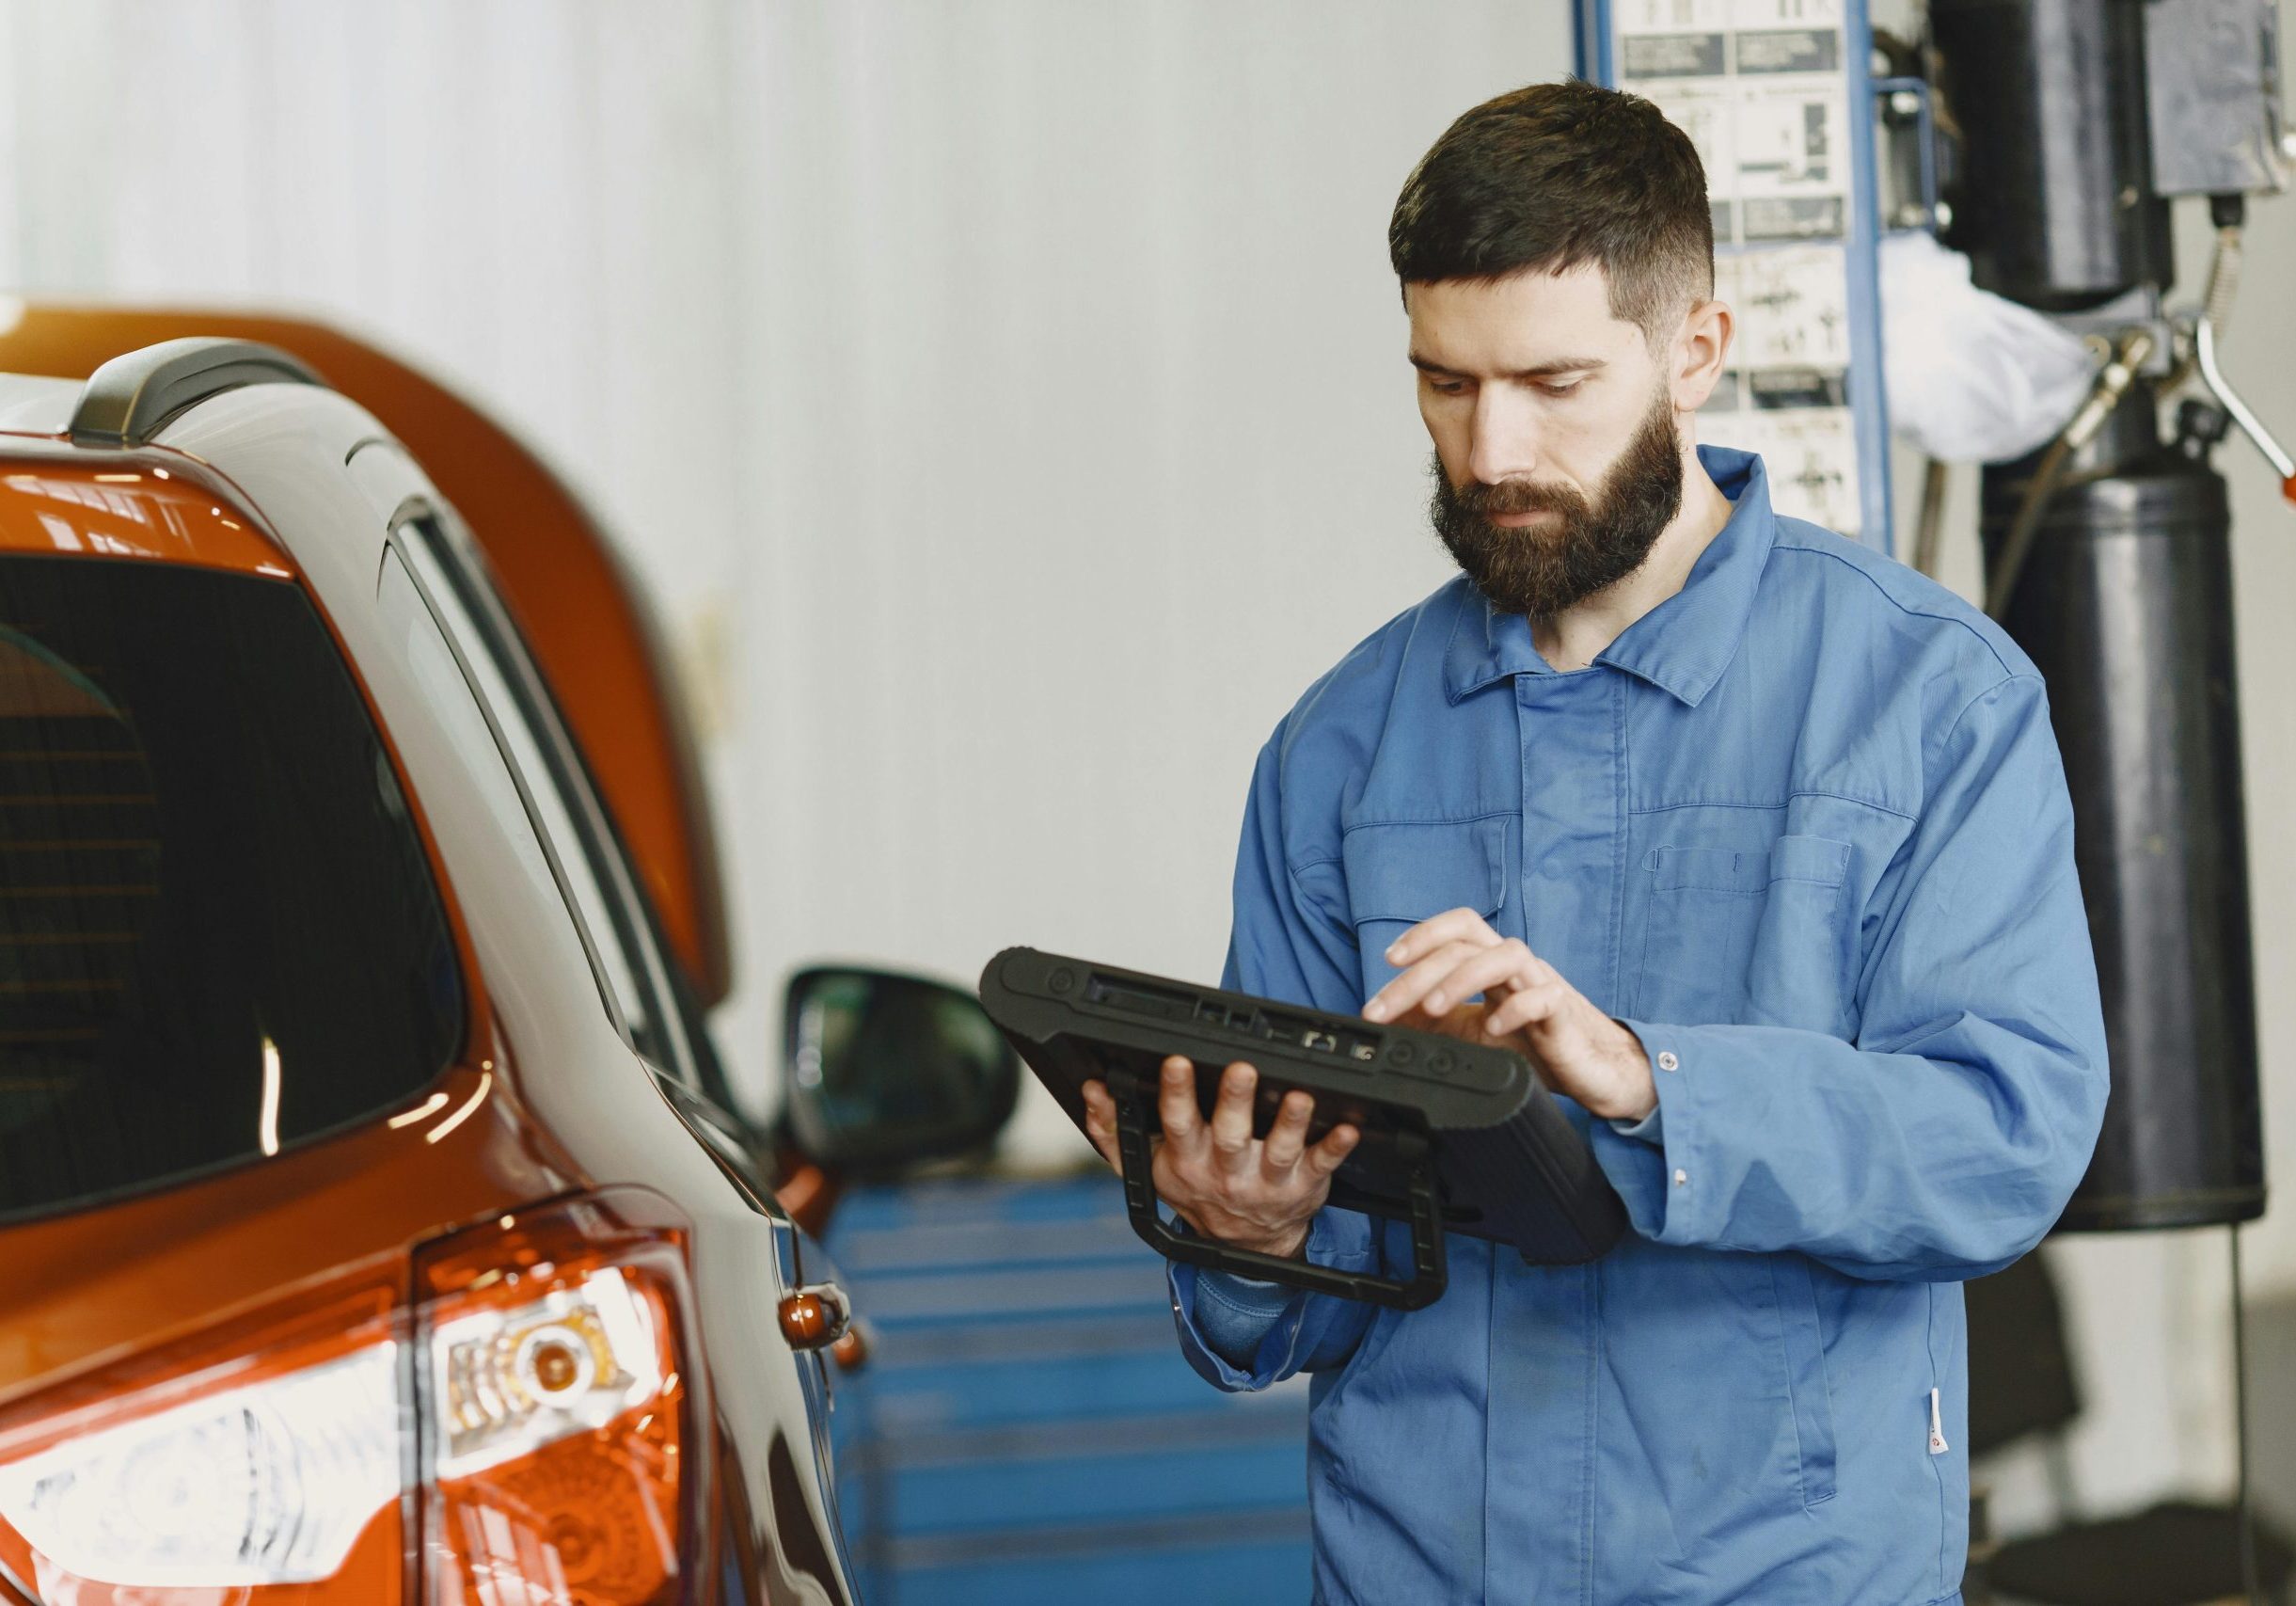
(1457, 1136)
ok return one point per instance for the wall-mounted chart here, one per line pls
(1773, 94)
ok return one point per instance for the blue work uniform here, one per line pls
(1803, 829)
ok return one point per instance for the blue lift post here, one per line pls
(1778, 95)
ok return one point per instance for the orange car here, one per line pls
(374, 1224)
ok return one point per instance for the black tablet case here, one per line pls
(1457, 1136)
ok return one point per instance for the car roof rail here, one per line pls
(132, 397)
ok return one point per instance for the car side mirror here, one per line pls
(888, 1071)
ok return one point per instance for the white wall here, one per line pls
(1006, 401)
(1082, 444)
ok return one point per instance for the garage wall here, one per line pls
(1083, 442)
(1007, 402)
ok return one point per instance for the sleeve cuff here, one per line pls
(1655, 1164)
(1245, 1296)
(1649, 1129)
(1334, 1238)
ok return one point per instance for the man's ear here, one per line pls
(1698, 354)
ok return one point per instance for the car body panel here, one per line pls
(585, 619)
(548, 1094)
(77, 501)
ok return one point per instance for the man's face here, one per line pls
(1557, 460)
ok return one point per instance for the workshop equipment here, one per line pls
(2108, 551)
(2108, 556)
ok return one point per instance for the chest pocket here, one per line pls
(1399, 874)
(1756, 936)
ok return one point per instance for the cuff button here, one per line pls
(1667, 1060)
(1681, 1177)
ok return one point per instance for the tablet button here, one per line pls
(1063, 981)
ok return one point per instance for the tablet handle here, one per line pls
(1427, 1275)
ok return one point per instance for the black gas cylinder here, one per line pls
(2055, 205)
(2126, 606)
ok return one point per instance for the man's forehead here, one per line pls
(1525, 322)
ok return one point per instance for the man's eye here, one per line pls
(1448, 387)
(1562, 389)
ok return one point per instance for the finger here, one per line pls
(1287, 1137)
(1325, 1157)
(1462, 1021)
(1231, 1117)
(1175, 1104)
(1405, 991)
(1528, 1007)
(1485, 970)
(1537, 970)
(1451, 926)
(1100, 1123)
(1100, 1126)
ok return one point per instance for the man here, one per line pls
(1757, 845)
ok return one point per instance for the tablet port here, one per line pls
(1138, 998)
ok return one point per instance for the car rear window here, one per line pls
(219, 936)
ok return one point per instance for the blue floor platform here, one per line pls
(1027, 1430)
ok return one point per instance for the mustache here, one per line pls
(1516, 496)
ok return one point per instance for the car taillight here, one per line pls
(533, 1388)
(554, 1407)
(203, 1483)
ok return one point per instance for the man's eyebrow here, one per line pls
(1541, 371)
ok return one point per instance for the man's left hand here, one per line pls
(1575, 1047)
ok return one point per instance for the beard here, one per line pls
(1543, 568)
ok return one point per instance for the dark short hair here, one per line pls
(1551, 177)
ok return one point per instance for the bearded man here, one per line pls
(1757, 845)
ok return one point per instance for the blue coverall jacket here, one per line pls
(1803, 828)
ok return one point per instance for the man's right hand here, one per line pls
(1253, 1193)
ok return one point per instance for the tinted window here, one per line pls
(218, 933)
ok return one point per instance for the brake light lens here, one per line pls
(557, 1413)
(570, 1362)
(534, 1386)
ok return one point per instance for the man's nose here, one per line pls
(1505, 440)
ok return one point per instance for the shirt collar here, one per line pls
(1683, 644)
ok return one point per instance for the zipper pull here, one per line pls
(1937, 1426)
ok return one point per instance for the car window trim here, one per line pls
(394, 552)
(441, 540)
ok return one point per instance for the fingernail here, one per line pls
(1395, 951)
(1434, 1000)
(1375, 1011)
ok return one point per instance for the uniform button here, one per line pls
(1667, 1060)
(1681, 1177)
